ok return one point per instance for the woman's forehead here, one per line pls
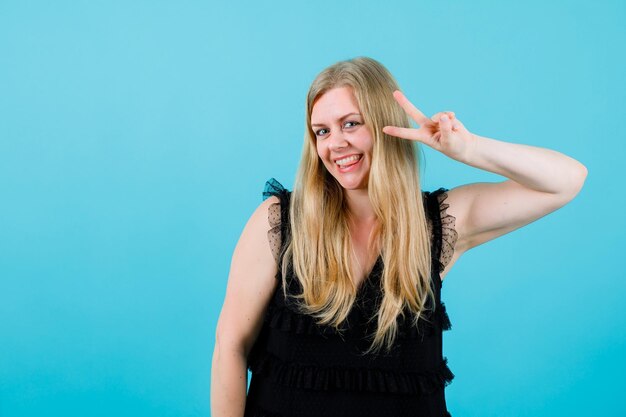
(334, 104)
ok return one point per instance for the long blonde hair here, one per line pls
(320, 243)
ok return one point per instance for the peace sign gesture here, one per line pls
(442, 132)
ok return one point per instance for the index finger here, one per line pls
(415, 114)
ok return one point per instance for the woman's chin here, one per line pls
(352, 185)
(350, 182)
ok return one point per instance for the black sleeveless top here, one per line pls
(302, 369)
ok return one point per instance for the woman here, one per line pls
(333, 299)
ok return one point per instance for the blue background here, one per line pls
(136, 137)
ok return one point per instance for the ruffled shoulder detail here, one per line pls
(364, 379)
(443, 226)
(273, 187)
(277, 212)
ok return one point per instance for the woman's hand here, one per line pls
(442, 132)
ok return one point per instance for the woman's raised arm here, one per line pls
(251, 283)
(539, 181)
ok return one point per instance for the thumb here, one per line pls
(445, 125)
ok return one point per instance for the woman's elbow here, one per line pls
(575, 182)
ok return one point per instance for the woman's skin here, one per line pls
(539, 182)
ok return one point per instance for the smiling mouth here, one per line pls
(349, 161)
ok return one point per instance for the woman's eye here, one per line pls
(319, 132)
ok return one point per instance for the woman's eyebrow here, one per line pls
(341, 118)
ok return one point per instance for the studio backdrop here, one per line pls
(136, 138)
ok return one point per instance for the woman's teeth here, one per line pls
(348, 161)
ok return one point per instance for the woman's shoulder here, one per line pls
(276, 198)
(442, 224)
(434, 202)
(276, 203)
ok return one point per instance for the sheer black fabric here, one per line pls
(300, 368)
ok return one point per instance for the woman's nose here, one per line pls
(338, 141)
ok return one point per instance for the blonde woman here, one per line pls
(334, 294)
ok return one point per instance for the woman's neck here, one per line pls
(360, 206)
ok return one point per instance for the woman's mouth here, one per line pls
(349, 163)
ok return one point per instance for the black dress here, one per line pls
(301, 369)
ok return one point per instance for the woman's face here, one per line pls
(344, 143)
